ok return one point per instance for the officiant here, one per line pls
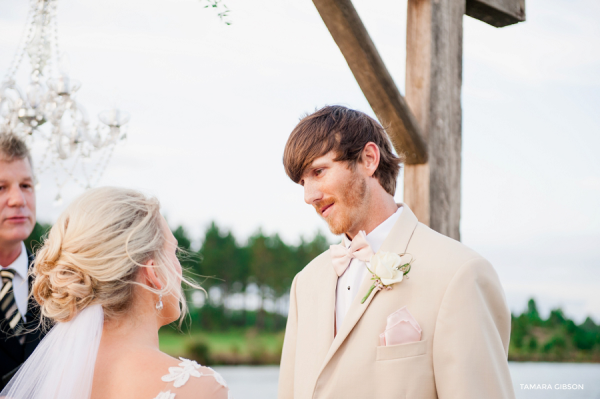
(19, 334)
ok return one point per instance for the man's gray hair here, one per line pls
(12, 147)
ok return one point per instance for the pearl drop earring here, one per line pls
(159, 304)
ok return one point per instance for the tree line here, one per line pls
(556, 338)
(263, 261)
(268, 264)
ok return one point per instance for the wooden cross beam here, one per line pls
(426, 126)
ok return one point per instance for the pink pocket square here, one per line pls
(401, 328)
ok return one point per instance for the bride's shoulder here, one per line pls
(186, 378)
(153, 374)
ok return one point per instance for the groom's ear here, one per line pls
(149, 276)
(370, 157)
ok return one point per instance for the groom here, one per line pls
(441, 331)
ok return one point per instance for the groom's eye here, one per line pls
(318, 172)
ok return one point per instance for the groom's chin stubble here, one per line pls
(333, 227)
(339, 227)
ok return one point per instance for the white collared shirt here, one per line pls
(349, 283)
(20, 281)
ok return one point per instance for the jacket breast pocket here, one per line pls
(401, 351)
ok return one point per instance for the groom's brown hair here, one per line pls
(346, 132)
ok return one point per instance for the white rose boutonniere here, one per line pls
(388, 268)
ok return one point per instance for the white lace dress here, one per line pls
(179, 376)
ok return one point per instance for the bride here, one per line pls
(108, 278)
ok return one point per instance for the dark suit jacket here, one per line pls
(12, 353)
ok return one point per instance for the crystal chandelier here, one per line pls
(48, 115)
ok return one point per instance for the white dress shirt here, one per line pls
(349, 283)
(20, 281)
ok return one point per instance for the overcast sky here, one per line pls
(212, 106)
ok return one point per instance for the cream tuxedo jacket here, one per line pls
(453, 293)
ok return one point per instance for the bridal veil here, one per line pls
(62, 366)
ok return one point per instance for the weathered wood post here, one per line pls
(426, 127)
(433, 93)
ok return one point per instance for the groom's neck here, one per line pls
(381, 207)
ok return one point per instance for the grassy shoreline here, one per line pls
(249, 347)
(234, 347)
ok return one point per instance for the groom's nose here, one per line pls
(311, 192)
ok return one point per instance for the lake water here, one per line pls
(260, 382)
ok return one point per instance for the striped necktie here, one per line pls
(8, 306)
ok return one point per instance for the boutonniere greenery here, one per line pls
(387, 268)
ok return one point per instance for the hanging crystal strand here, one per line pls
(46, 33)
(58, 198)
(36, 45)
(25, 38)
(97, 172)
(41, 162)
(101, 168)
(90, 177)
(124, 132)
(70, 174)
(85, 176)
(44, 164)
(92, 181)
(58, 162)
(54, 27)
(39, 63)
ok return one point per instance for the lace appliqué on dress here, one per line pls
(180, 375)
(165, 395)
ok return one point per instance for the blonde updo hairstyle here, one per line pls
(95, 250)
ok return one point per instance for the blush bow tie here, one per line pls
(359, 249)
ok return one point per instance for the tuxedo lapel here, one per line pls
(326, 315)
(354, 314)
(396, 241)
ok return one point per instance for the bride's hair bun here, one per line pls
(62, 289)
(94, 251)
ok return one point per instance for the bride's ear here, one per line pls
(149, 275)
